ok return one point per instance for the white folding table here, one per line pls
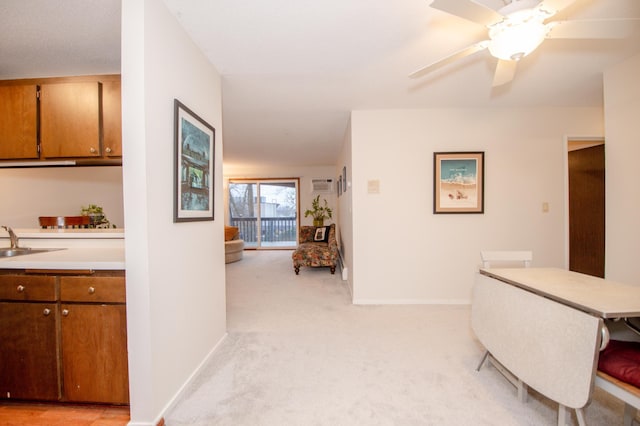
(545, 325)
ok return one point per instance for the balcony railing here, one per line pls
(280, 231)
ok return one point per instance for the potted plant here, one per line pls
(318, 212)
(96, 215)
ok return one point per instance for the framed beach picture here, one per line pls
(458, 182)
(194, 162)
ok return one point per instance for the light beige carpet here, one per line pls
(299, 353)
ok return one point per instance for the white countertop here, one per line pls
(111, 233)
(97, 249)
(70, 258)
(605, 298)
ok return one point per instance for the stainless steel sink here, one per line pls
(11, 252)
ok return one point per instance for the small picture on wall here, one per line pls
(458, 182)
(339, 183)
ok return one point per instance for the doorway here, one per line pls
(586, 165)
(265, 212)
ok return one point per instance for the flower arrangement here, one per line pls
(319, 212)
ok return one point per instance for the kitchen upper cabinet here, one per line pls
(70, 116)
(18, 122)
(61, 118)
(112, 119)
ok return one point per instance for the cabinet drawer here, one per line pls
(93, 289)
(28, 287)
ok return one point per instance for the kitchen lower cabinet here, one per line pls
(63, 336)
(28, 359)
(94, 353)
(94, 339)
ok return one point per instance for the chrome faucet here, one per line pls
(12, 236)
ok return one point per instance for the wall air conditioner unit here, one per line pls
(322, 185)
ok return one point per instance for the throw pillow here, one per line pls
(231, 233)
(321, 234)
(621, 360)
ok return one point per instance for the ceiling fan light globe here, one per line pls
(518, 5)
(513, 42)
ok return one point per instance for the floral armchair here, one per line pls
(317, 247)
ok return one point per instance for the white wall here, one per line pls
(27, 193)
(175, 271)
(622, 109)
(402, 252)
(304, 173)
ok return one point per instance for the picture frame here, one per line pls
(458, 182)
(344, 179)
(194, 164)
(339, 183)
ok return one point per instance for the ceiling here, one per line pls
(293, 70)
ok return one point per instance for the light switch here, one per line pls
(373, 186)
(545, 207)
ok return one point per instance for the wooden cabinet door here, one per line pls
(29, 351)
(94, 353)
(112, 119)
(18, 122)
(70, 120)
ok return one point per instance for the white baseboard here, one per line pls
(411, 301)
(180, 391)
(343, 266)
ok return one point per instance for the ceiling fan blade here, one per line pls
(505, 71)
(555, 6)
(469, 10)
(593, 29)
(453, 57)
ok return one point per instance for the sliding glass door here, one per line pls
(265, 211)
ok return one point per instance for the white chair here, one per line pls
(506, 258)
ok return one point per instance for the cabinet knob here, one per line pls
(92, 150)
(65, 312)
(46, 312)
(20, 289)
(108, 150)
(92, 290)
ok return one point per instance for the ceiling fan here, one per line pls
(518, 28)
